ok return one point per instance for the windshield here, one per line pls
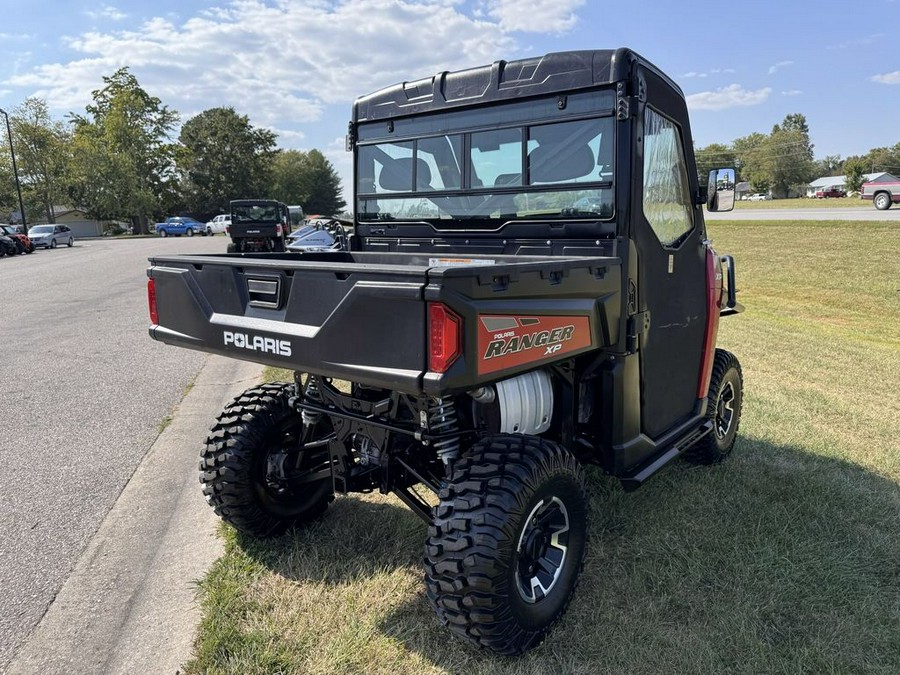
(543, 171)
(41, 229)
(255, 213)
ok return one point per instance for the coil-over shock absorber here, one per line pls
(311, 392)
(442, 419)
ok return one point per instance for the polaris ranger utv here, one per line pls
(529, 289)
(259, 225)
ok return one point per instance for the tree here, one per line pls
(789, 156)
(855, 172)
(882, 159)
(779, 162)
(42, 147)
(713, 156)
(309, 179)
(122, 158)
(832, 165)
(223, 157)
(8, 198)
(750, 153)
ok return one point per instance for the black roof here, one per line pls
(501, 80)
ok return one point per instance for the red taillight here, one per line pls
(713, 302)
(151, 298)
(443, 337)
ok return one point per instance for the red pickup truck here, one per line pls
(830, 192)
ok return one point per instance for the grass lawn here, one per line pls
(801, 203)
(784, 559)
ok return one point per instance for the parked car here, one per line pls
(759, 197)
(830, 193)
(25, 244)
(178, 225)
(51, 236)
(7, 246)
(219, 224)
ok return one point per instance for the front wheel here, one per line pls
(507, 544)
(53, 243)
(882, 201)
(163, 234)
(723, 408)
(262, 470)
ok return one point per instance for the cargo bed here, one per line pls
(362, 316)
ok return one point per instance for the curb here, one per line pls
(129, 604)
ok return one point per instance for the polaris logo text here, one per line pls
(550, 340)
(258, 343)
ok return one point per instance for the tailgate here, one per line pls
(364, 323)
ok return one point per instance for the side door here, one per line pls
(669, 237)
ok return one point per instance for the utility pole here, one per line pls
(12, 153)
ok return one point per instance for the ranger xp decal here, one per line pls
(508, 341)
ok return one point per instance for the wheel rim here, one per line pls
(542, 550)
(725, 410)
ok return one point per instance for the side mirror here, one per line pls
(720, 190)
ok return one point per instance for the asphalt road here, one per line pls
(839, 213)
(83, 390)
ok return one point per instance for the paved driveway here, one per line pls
(839, 213)
(83, 390)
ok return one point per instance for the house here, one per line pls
(840, 182)
(77, 220)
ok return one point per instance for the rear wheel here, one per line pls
(190, 232)
(262, 470)
(232, 248)
(723, 409)
(278, 245)
(70, 243)
(882, 201)
(507, 544)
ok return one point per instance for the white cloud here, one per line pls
(270, 60)
(714, 71)
(534, 16)
(732, 96)
(107, 12)
(859, 42)
(887, 78)
(778, 66)
(792, 92)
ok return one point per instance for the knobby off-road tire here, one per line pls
(507, 544)
(255, 426)
(723, 409)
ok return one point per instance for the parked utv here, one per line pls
(530, 288)
(258, 225)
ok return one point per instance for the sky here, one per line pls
(295, 66)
